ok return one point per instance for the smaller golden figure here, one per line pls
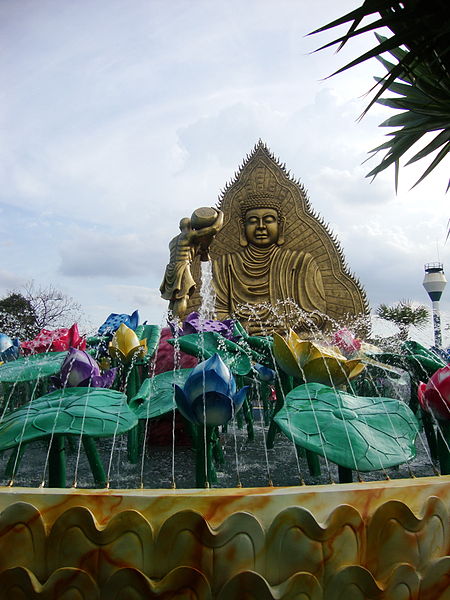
(196, 235)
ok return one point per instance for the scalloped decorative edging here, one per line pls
(377, 540)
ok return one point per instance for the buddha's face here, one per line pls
(261, 226)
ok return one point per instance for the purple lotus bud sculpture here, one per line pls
(195, 324)
(209, 396)
(79, 369)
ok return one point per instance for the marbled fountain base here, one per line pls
(356, 541)
(366, 540)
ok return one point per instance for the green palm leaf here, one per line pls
(420, 45)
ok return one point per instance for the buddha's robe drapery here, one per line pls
(248, 282)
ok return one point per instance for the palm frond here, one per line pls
(420, 75)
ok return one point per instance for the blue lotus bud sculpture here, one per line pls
(264, 374)
(209, 396)
(9, 348)
(115, 320)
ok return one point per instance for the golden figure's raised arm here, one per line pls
(206, 223)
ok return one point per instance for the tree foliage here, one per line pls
(17, 317)
(404, 315)
(420, 75)
(23, 313)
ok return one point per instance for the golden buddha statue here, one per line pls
(275, 263)
(263, 272)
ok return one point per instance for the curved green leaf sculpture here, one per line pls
(94, 412)
(204, 345)
(30, 368)
(156, 395)
(420, 362)
(361, 433)
(151, 333)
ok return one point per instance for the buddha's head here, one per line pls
(262, 223)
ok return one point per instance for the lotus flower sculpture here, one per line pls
(9, 349)
(126, 346)
(264, 373)
(209, 396)
(57, 340)
(79, 369)
(434, 396)
(311, 362)
(115, 320)
(195, 324)
(347, 343)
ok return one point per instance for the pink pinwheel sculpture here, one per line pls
(434, 396)
(79, 369)
(57, 340)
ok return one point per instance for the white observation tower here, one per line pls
(434, 282)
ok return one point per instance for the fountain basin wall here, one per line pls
(355, 541)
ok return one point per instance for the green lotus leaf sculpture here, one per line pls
(94, 412)
(420, 362)
(204, 345)
(31, 368)
(156, 395)
(151, 333)
(360, 433)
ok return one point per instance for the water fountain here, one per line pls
(385, 537)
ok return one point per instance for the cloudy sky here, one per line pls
(119, 117)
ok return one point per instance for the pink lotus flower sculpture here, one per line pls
(434, 396)
(57, 340)
(79, 369)
(347, 343)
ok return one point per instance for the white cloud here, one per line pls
(10, 281)
(119, 120)
(148, 301)
(96, 254)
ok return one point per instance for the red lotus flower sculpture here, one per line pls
(434, 396)
(57, 340)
